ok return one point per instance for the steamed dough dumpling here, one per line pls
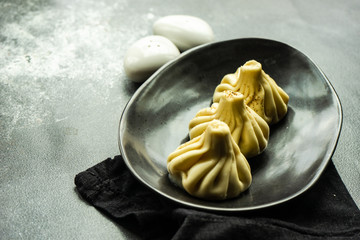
(261, 92)
(210, 166)
(248, 129)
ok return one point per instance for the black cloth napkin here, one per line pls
(326, 211)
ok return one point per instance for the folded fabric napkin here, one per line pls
(325, 211)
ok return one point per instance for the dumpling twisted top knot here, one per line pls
(261, 92)
(248, 129)
(211, 165)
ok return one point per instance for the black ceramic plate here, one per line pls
(155, 121)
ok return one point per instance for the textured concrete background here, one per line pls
(63, 88)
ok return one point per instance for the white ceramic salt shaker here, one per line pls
(184, 31)
(148, 54)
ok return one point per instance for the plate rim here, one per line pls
(306, 187)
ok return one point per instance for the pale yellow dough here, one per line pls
(248, 129)
(210, 166)
(261, 92)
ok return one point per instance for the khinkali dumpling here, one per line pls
(211, 165)
(261, 92)
(248, 129)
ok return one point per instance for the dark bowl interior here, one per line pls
(155, 121)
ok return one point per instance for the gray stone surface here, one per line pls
(63, 88)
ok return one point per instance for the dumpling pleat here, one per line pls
(261, 92)
(208, 170)
(232, 110)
